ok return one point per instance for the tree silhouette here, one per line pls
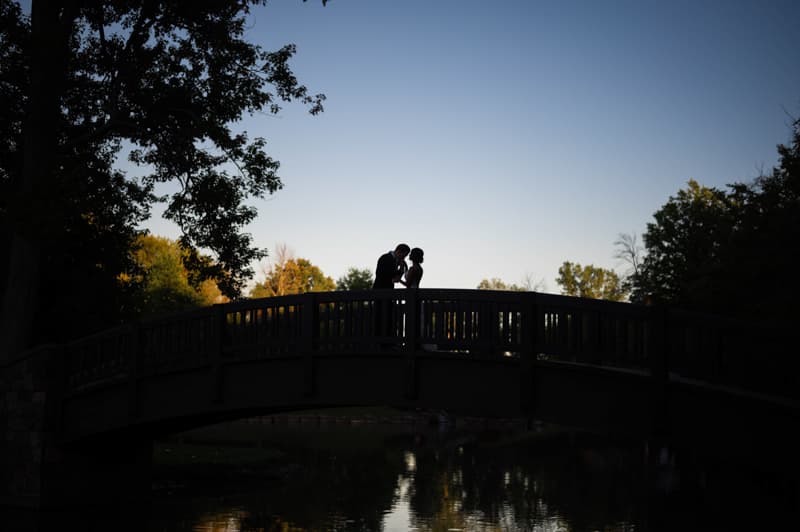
(684, 247)
(355, 279)
(731, 252)
(164, 80)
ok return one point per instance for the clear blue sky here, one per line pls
(506, 137)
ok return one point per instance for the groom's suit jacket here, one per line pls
(385, 271)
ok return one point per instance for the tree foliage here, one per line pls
(166, 81)
(290, 275)
(590, 281)
(14, 37)
(498, 284)
(730, 252)
(163, 283)
(355, 279)
(685, 254)
(761, 255)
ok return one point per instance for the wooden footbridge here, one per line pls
(597, 365)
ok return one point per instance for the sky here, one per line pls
(506, 137)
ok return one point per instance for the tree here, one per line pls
(289, 275)
(355, 279)
(590, 281)
(685, 248)
(169, 79)
(761, 255)
(497, 284)
(630, 252)
(528, 284)
(729, 252)
(163, 284)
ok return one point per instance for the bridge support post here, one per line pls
(411, 342)
(658, 355)
(309, 331)
(590, 337)
(532, 320)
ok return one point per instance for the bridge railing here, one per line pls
(262, 328)
(470, 323)
(731, 353)
(99, 358)
(146, 347)
(593, 331)
(177, 341)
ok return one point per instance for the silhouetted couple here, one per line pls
(392, 268)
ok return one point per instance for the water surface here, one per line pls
(318, 476)
(295, 474)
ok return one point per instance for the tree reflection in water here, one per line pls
(421, 478)
(404, 477)
(543, 483)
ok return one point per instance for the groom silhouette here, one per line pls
(391, 267)
(389, 270)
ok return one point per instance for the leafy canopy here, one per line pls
(590, 281)
(85, 84)
(290, 275)
(498, 284)
(163, 283)
(729, 251)
(685, 245)
(355, 279)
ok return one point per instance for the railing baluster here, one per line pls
(309, 313)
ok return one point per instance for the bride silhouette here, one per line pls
(414, 273)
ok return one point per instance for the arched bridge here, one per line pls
(87, 411)
(586, 363)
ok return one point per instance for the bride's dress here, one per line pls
(413, 276)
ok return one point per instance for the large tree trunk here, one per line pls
(19, 305)
(51, 25)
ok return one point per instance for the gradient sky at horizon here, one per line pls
(507, 137)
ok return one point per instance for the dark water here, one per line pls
(323, 476)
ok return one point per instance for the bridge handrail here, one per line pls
(474, 323)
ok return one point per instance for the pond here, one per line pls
(427, 472)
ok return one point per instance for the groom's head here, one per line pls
(401, 251)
